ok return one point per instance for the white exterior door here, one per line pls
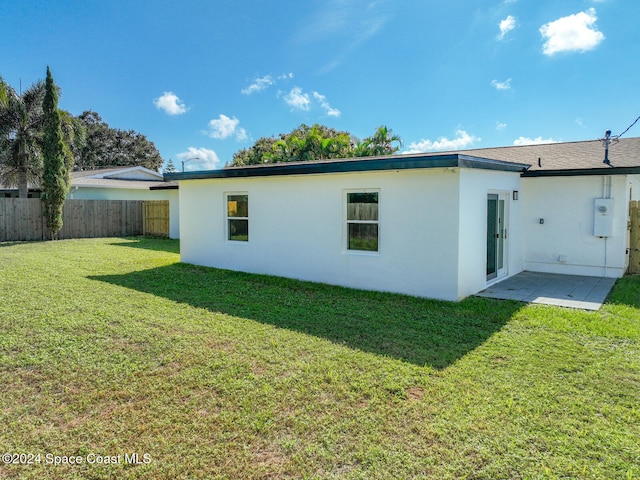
(496, 235)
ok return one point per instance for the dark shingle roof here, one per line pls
(585, 155)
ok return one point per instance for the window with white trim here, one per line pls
(237, 217)
(362, 221)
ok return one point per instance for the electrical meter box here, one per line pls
(603, 217)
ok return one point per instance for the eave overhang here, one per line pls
(399, 162)
(582, 172)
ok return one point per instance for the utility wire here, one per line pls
(634, 122)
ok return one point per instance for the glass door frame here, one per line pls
(497, 234)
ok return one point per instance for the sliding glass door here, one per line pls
(496, 235)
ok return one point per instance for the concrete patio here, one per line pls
(572, 291)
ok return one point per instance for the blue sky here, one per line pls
(205, 78)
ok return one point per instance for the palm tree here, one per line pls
(21, 122)
(382, 142)
(336, 147)
(361, 148)
(74, 134)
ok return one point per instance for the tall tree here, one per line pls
(258, 153)
(317, 142)
(303, 144)
(170, 167)
(21, 122)
(56, 159)
(107, 147)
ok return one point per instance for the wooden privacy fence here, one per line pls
(21, 219)
(634, 238)
(156, 218)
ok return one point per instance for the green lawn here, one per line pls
(111, 347)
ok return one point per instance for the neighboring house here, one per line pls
(12, 192)
(441, 225)
(118, 183)
(127, 183)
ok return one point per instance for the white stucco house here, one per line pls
(439, 225)
(127, 183)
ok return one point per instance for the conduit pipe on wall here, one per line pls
(606, 193)
(606, 186)
(605, 257)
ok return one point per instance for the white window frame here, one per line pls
(346, 221)
(227, 218)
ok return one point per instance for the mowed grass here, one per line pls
(111, 347)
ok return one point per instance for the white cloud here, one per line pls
(462, 140)
(574, 33)
(170, 104)
(298, 100)
(506, 85)
(262, 83)
(533, 141)
(506, 26)
(500, 125)
(224, 127)
(258, 85)
(198, 159)
(332, 112)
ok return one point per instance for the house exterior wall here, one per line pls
(565, 242)
(90, 193)
(475, 185)
(174, 213)
(297, 229)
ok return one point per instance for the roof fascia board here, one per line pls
(362, 165)
(582, 172)
(467, 161)
(118, 187)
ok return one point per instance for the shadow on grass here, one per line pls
(12, 243)
(158, 244)
(419, 331)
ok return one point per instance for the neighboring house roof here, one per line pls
(137, 178)
(89, 182)
(389, 162)
(92, 173)
(123, 173)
